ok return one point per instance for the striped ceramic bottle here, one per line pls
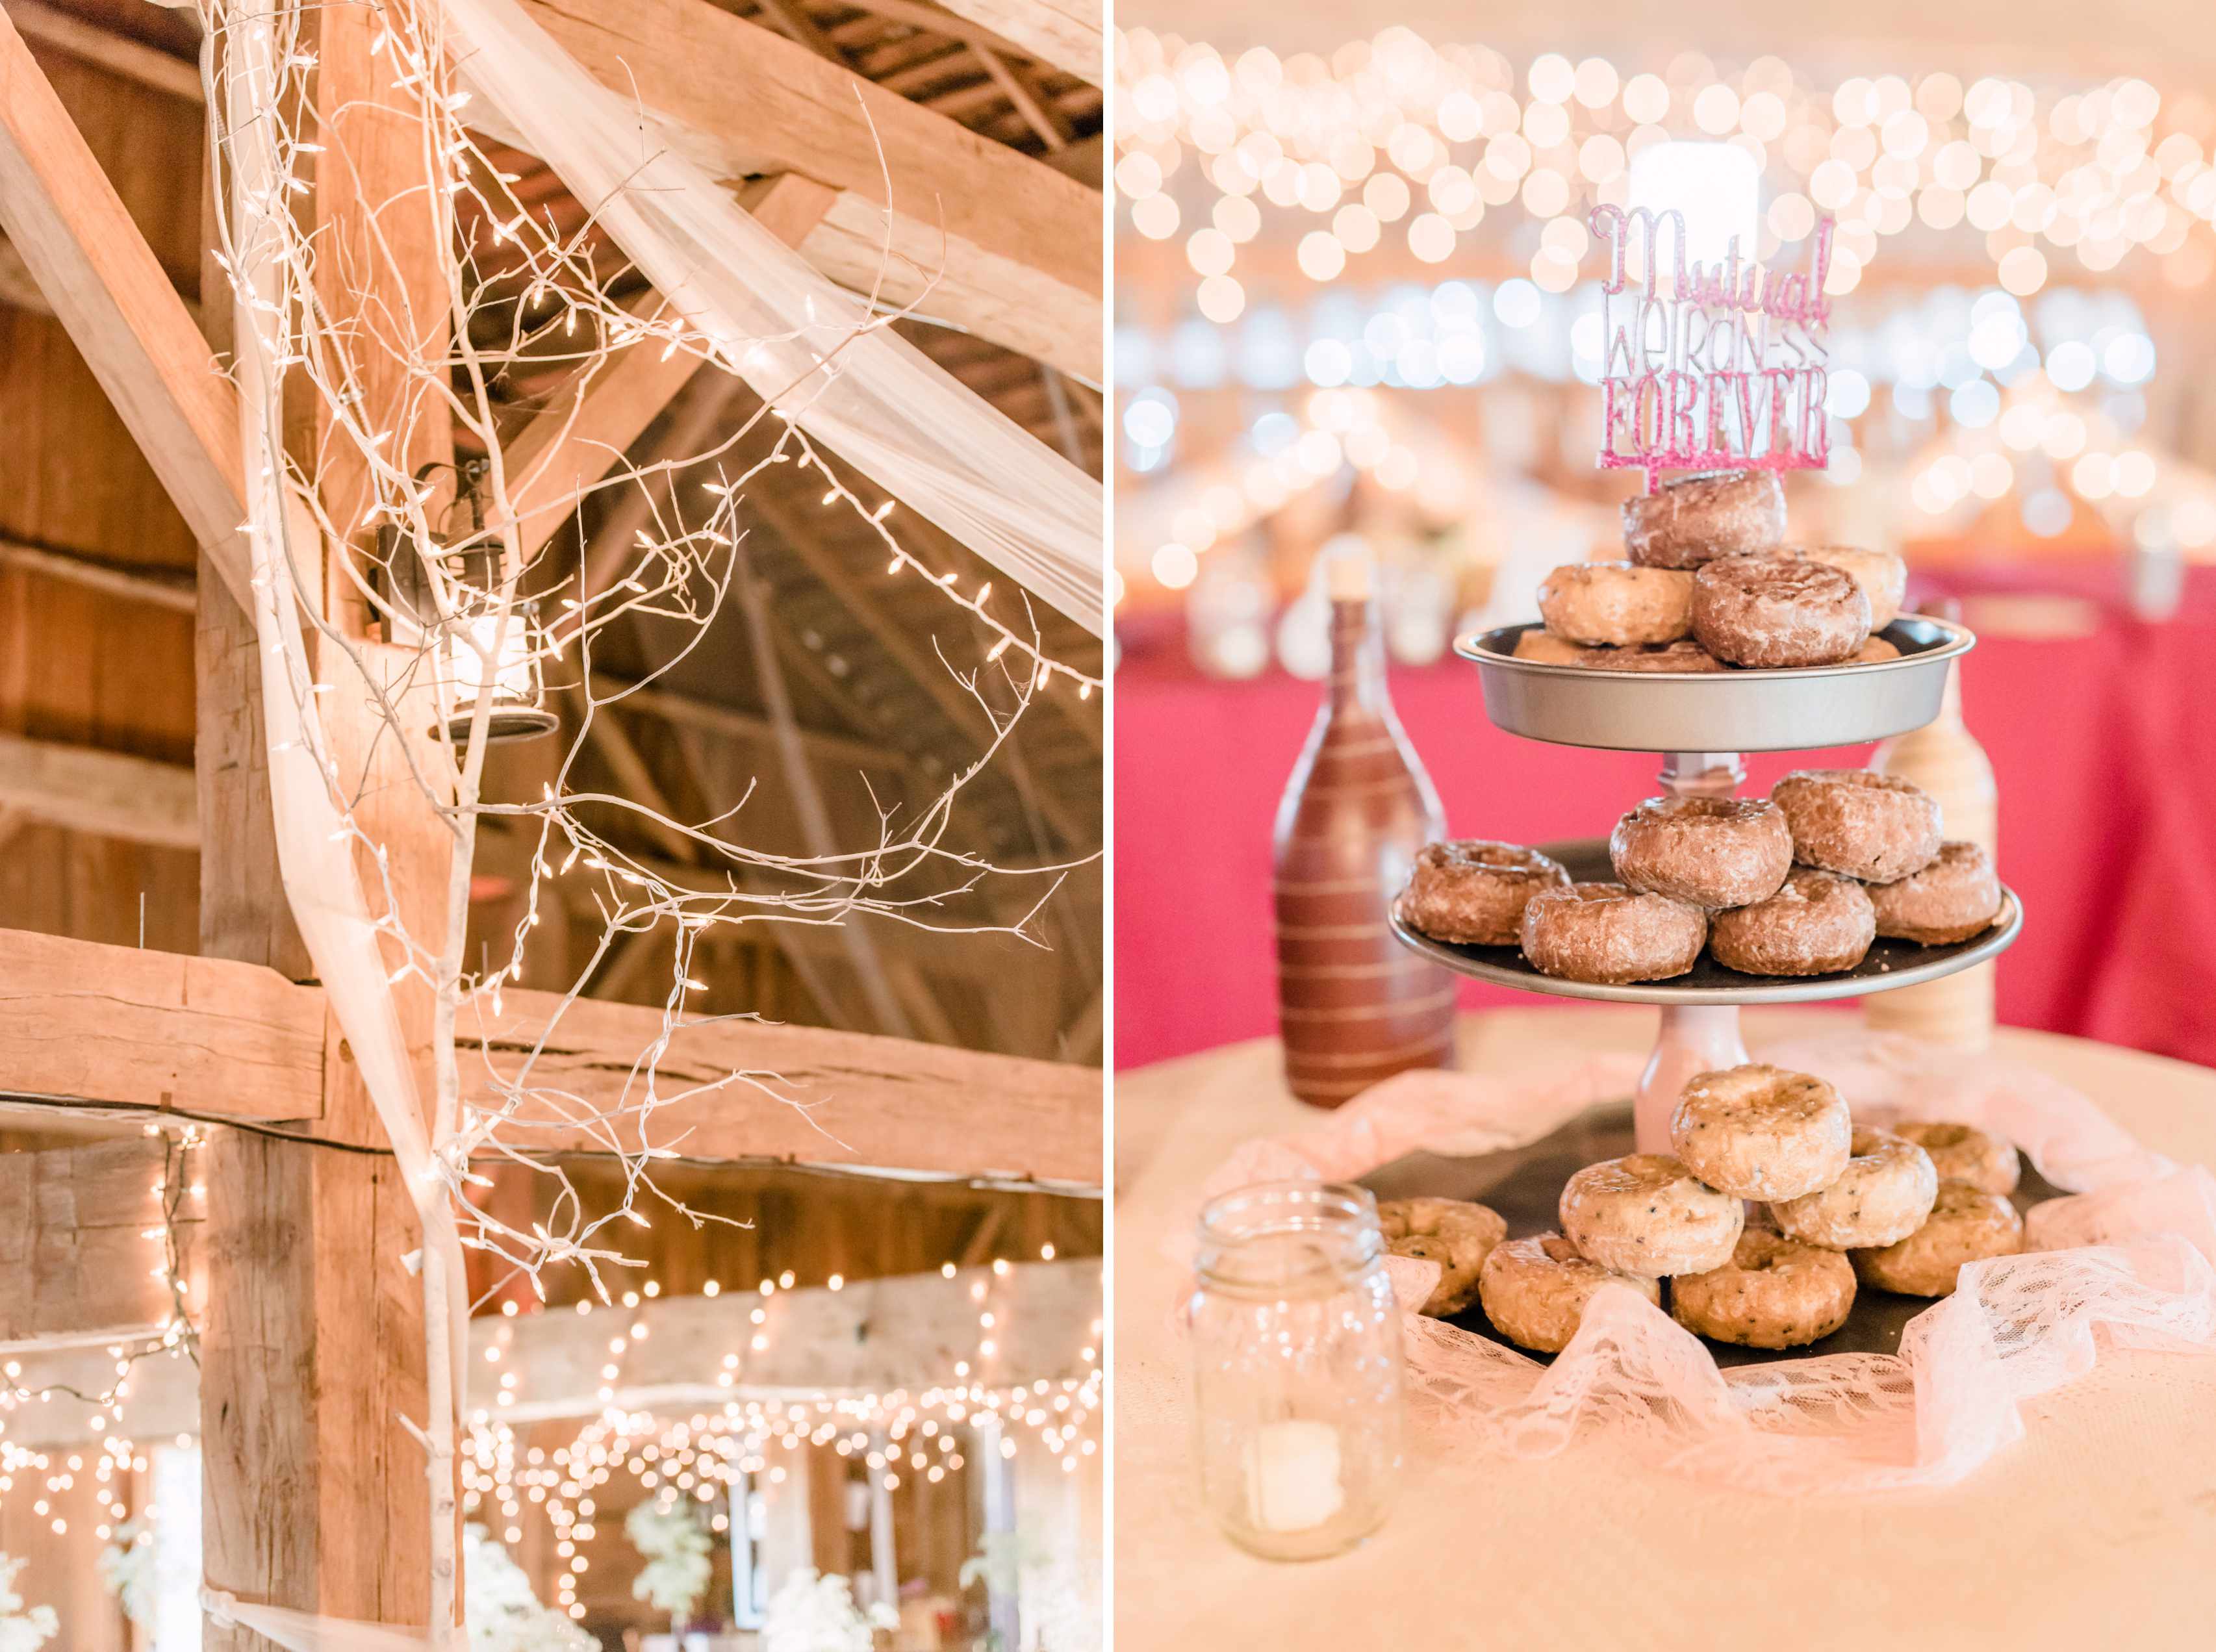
(1354, 1005)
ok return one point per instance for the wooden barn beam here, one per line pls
(66, 32)
(125, 1027)
(850, 1101)
(1068, 33)
(76, 240)
(74, 1254)
(683, 710)
(914, 655)
(901, 1332)
(982, 235)
(590, 424)
(108, 793)
(122, 1029)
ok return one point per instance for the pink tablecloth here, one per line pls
(2105, 747)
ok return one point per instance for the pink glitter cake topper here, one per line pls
(1721, 368)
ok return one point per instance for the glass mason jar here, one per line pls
(1296, 1369)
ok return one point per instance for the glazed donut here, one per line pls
(1881, 1197)
(1875, 826)
(1875, 650)
(1616, 605)
(1770, 612)
(1706, 851)
(1680, 657)
(1456, 1235)
(1961, 1153)
(1775, 1292)
(1709, 514)
(1474, 891)
(1760, 1132)
(1882, 576)
(1818, 923)
(1955, 896)
(1540, 644)
(1966, 1224)
(1649, 1215)
(1605, 932)
(1535, 1291)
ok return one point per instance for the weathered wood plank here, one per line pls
(120, 1026)
(74, 1260)
(109, 793)
(838, 1099)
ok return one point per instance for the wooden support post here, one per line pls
(315, 1492)
(310, 1351)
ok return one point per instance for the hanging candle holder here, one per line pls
(480, 652)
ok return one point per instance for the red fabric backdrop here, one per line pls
(2103, 746)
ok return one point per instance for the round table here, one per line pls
(2101, 1523)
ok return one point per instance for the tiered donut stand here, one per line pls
(1701, 723)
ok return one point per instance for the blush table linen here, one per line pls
(2104, 1514)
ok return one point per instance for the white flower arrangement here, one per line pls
(22, 1630)
(127, 1570)
(672, 1541)
(502, 1613)
(813, 1613)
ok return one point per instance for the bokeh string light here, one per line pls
(1395, 138)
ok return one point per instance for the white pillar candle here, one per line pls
(1292, 1476)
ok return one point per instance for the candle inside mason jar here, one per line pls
(1292, 1476)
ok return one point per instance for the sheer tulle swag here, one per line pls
(2128, 1261)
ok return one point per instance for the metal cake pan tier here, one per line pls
(1718, 711)
(1889, 963)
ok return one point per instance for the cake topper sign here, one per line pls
(1722, 367)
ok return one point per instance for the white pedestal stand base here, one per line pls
(1693, 1038)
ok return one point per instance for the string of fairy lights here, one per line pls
(706, 1455)
(895, 1435)
(1393, 138)
(175, 1189)
(703, 1456)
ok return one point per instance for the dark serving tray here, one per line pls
(1887, 965)
(1524, 1184)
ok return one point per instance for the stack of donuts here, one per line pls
(1797, 883)
(1832, 1205)
(1711, 585)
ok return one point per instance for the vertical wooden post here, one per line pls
(315, 1494)
(312, 1346)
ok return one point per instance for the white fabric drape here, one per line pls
(880, 404)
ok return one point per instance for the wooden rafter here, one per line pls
(914, 656)
(78, 243)
(1068, 33)
(572, 444)
(983, 235)
(119, 54)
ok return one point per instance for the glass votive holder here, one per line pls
(1296, 1369)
